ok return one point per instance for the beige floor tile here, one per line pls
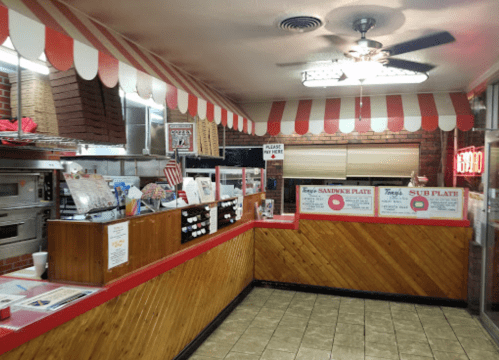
(477, 344)
(312, 354)
(368, 357)
(414, 357)
(241, 356)
(251, 344)
(407, 326)
(264, 322)
(326, 311)
(289, 344)
(214, 349)
(382, 328)
(271, 354)
(456, 312)
(446, 346)
(463, 331)
(221, 335)
(440, 355)
(383, 338)
(277, 304)
(349, 340)
(286, 331)
(259, 332)
(323, 320)
(313, 329)
(271, 313)
(294, 321)
(298, 311)
(322, 342)
(411, 335)
(351, 318)
(402, 307)
(343, 328)
(405, 315)
(440, 333)
(347, 353)
(351, 310)
(235, 326)
(482, 355)
(434, 321)
(375, 316)
(415, 348)
(385, 351)
(202, 357)
(457, 320)
(284, 293)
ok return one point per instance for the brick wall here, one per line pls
(429, 145)
(15, 263)
(4, 96)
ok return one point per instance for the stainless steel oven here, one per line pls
(26, 202)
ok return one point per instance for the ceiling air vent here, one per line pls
(300, 23)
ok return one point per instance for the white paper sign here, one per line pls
(337, 200)
(117, 244)
(8, 300)
(428, 203)
(213, 219)
(273, 152)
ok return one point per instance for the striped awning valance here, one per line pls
(409, 112)
(69, 38)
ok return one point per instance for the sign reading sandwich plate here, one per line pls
(273, 152)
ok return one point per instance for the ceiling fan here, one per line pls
(367, 50)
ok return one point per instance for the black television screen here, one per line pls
(241, 157)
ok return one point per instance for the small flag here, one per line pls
(173, 171)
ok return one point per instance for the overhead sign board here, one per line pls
(273, 152)
(337, 200)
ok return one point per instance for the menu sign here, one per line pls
(336, 200)
(428, 203)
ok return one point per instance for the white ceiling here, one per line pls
(234, 45)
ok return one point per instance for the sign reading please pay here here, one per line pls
(337, 200)
(425, 203)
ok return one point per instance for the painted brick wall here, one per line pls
(429, 145)
(15, 263)
(4, 96)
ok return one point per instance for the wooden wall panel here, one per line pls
(401, 259)
(157, 319)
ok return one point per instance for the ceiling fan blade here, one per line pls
(342, 77)
(409, 65)
(302, 63)
(424, 42)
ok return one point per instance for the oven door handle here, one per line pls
(7, 223)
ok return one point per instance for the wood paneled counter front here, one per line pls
(156, 311)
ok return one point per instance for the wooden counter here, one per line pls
(420, 260)
(78, 250)
(154, 312)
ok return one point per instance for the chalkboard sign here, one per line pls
(241, 157)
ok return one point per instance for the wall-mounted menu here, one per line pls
(337, 200)
(425, 203)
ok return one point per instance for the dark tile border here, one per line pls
(422, 300)
(212, 326)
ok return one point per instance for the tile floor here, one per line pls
(286, 325)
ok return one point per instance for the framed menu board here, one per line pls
(337, 200)
(90, 192)
(424, 203)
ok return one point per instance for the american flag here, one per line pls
(173, 171)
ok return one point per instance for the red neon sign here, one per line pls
(469, 161)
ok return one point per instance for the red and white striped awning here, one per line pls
(70, 38)
(409, 112)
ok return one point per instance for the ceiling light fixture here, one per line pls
(334, 76)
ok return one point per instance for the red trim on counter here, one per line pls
(386, 220)
(11, 339)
